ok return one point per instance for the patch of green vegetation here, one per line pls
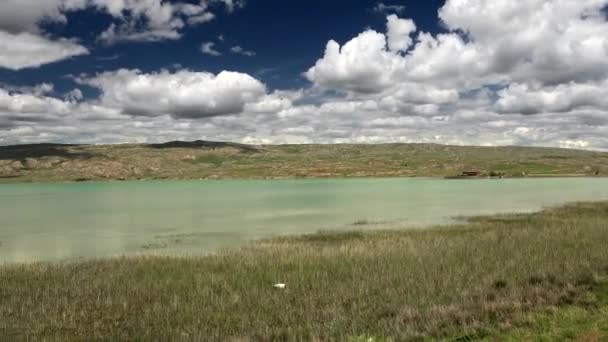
(527, 167)
(292, 149)
(214, 160)
(511, 277)
(568, 323)
(557, 157)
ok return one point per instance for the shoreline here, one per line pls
(101, 181)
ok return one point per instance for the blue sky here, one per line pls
(287, 37)
(268, 71)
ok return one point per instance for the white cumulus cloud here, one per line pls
(398, 33)
(362, 65)
(183, 94)
(26, 50)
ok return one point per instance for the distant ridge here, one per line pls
(201, 159)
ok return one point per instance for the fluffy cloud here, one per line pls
(501, 73)
(372, 66)
(183, 94)
(201, 18)
(31, 104)
(362, 65)
(150, 20)
(37, 90)
(489, 43)
(74, 95)
(273, 103)
(384, 8)
(232, 5)
(398, 33)
(133, 20)
(22, 45)
(541, 57)
(534, 99)
(26, 50)
(276, 118)
(208, 48)
(544, 41)
(154, 20)
(239, 50)
(20, 15)
(31, 108)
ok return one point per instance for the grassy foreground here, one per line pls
(509, 277)
(217, 160)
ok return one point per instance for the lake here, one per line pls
(72, 221)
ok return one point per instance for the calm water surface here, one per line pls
(49, 222)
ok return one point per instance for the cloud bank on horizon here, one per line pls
(499, 72)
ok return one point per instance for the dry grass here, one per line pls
(480, 279)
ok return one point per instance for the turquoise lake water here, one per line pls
(52, 222)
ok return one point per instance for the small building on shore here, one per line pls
(471, 173)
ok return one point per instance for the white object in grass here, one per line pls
(279, 286)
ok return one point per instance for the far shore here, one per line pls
(217, 160)
(447, 178)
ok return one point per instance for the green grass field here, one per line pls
(209, 160)
(541, 276)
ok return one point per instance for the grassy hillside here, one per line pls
(540, 276)
(208, 160)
